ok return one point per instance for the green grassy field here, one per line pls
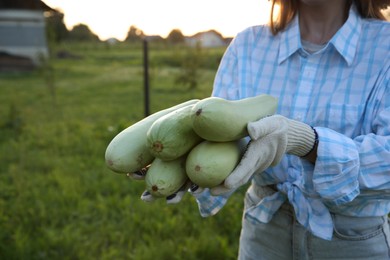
(58, 200)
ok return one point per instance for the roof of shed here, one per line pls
(25, 4)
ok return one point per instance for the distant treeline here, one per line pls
(57, 32)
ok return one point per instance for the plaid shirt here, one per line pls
(343, 90)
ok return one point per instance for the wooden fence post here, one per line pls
(146, 78)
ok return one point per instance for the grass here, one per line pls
(58, 200)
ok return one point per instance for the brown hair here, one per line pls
(288, 9)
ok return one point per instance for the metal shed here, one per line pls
(22, 32)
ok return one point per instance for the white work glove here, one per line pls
(271, 137)
(171, 199)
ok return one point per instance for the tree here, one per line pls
(189, 73)
(81, 32)
(134, 34)
(55, 27)
(175, 36)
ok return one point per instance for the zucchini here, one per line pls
(209, 163)
(220, 120)
(128, 151)
(166, 177)
(171, 136)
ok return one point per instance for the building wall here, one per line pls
(22, 33)
(206, 39)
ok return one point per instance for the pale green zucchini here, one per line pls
(221, 120)
(166, 177)
(171, 136)
(209, 163)
(128, 151)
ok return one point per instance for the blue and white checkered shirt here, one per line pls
(343, 90)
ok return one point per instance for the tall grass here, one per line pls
(58, 200)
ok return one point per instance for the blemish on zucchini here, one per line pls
(198, 112)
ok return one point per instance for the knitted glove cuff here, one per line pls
(301, 138)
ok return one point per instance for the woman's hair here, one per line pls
(287, 9)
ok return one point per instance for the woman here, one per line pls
(319, 169)
(321, 192)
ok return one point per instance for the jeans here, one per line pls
(284, 238)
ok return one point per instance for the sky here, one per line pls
(113, 18)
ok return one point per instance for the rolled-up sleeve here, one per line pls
(374, 148)
(336, 171)
(346, 166)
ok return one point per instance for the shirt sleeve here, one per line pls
(224, 87)
(374, 148)
(226, 79)
(210, 205)
(347, 166)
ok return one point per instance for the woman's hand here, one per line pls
(271, 138)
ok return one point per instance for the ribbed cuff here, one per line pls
(301, 138)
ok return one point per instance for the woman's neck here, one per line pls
(319, 21)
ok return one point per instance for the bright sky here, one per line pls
(156, 17)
